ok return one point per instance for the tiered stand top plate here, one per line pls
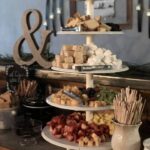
(78, 108)
(70, 145)
(124, 68)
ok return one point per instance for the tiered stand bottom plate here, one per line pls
(71, 145)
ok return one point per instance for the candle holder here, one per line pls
(28, 130)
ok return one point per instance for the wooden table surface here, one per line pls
(3, 148)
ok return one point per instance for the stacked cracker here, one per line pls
(70, 55)
(86, 23)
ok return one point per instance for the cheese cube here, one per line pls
(68, 53)
(91, 24)
(61, 53)
(79, 58)
(68, 59)
(103, 25)
(59, 58)
(90, 143)
(67, 47)
(59, 65)
(79, 48)
(81, 142)
(102, 29)
(54, 63)
(98, 18)
(67, 65)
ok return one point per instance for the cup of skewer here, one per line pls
(128, 109)
(27, 88)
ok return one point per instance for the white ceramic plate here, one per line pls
(78, 108)
(124, 68)
(70, 145)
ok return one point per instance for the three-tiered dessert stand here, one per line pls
(89, 83)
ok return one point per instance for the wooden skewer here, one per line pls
(27, 88)
(21, 94)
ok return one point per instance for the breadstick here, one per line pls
(128, 106)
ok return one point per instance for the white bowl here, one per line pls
(146, 144)
(7, 118)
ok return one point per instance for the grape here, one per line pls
(90, 92)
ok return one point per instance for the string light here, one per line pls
(51, 16)
(58, 11)
(45, 23)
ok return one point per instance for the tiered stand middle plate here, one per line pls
(78, 108)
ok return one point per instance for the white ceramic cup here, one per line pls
(146, 144)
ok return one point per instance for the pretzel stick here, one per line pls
(34, 89)
(27, 89)
(21, 85)
(31, 89)
(128, 106)
(142, 109)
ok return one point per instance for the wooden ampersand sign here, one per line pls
(28, 32)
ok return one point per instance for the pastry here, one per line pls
(105, 26)
(5, 100)
(74, 102)
(69, 95)
(92, 24)
(87, 23)
(101, 29)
